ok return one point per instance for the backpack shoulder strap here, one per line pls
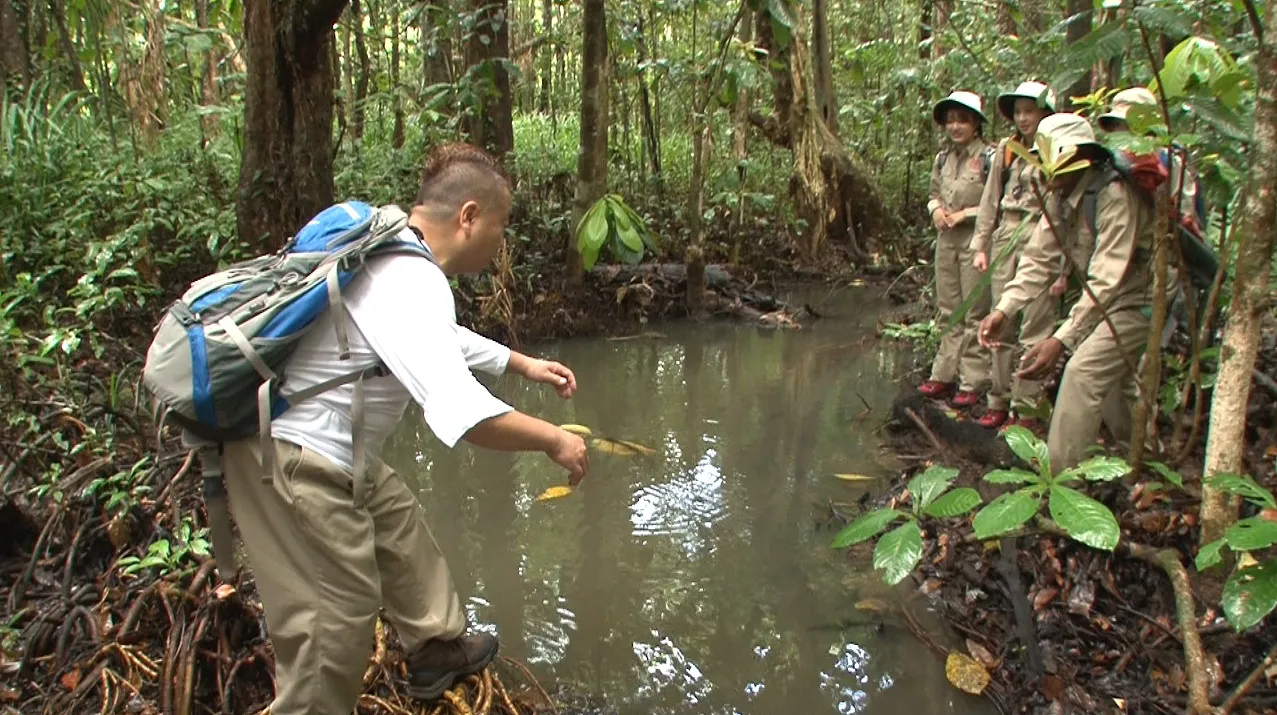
(941, 157)
(1091, 195)
(986, 160)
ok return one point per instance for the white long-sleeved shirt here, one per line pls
(401, 311)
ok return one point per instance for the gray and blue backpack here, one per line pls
(218, 361)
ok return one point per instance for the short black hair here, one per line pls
(456, 173)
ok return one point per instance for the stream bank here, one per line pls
(1060, 627)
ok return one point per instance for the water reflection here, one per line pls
(694, 581)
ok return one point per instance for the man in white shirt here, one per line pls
(325, 565)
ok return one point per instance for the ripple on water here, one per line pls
(683, 505)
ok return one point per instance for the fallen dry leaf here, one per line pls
(71, 679)
(9, 695)
(1052, 687)
(554, 493)
(621, 447)
(224, 592)
(117, 530)
(965, 673)
(981, 654)
(872, 605)
(1044, 598)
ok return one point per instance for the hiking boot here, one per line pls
(966, 398)
(440, 664)
(935, 388)
(992, 419)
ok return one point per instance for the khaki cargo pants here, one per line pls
(1097, 387)
(324, 570)
(1037, 323)
(960, 358)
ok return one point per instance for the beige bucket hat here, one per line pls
(1122, 103)
(970, 101)
(1026, 90)
(1069, 130)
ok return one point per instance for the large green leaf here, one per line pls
(1251, 534)
(1242, 486)
(1250, 595)
(1085, 519)
(1224, 120)
(593, 235)
(1195, 60)
(1011, 476)
(1100, 45)
(1169, 21)
(1028, 447)
(930, 484)
(1005, 513)
(1208, 556)
(955, 503)
(866, 527)
(1104, 469)
(1167, 473)
(898, 552)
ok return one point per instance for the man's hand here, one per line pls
(569, 453)
(990, 331)
(1059, 286)
(981, 261)
(549, 372)
(1041, 359)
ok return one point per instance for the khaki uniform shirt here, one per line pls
(957, 184)
(1019, 197)
(1117, 262)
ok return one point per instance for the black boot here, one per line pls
(439, 664)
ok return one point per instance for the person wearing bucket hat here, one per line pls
(1106, 330)
(1175, 160)
(1008, 208)
(957, 182)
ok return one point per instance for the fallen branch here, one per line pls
(1244, 687)
(935, 442)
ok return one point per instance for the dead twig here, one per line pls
(1244, 687)
(931, 436)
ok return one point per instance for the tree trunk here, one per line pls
(826, 100)
(591, 168)
(650, 139)
(740, 144)
(1034, 12)
(67, 47)
(436, 40)
(397, 133)
(356, 19)
(286, 174)
(493, 127)
(942, 10)
(1006, 20)
(547, 57)
(1078, 29)
(15, 65)
(832, 191)
(1226, 439)
(208, 82)
(926, 11)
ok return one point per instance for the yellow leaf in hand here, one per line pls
(554, 493)
(577, 429)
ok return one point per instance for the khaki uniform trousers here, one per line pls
(324, 570)
(959, 358)
(1037, 323)
(1097, 387)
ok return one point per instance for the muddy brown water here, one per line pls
(698, 580)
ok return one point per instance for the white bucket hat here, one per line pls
(1026, 90)
(1122, 103)
(969, 101)
(1067, 130)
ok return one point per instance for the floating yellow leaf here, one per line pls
(621, 447)
(577, 429)
(965, 673)
(855, 478)
(554, 493)
(873, 605)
